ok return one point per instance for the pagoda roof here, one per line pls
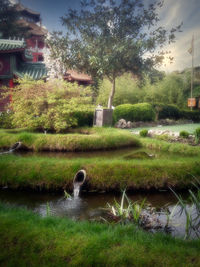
(34, 28)
(77, 76)
(20, 8)
(32, 70)
(7, 45)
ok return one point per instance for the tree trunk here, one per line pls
(110, 99)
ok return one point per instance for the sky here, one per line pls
(171, 14)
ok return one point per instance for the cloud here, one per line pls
(172, 14)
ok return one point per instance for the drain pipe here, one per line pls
(78, 181)
(13, 148)
(79, 178)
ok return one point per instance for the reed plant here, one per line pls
(192, 211)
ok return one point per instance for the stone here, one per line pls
(121, 124)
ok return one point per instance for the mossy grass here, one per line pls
(84, 139)
(102, 173)
(28, 239)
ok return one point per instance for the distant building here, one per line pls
(16, 62)
(32, 20)
(19, 58)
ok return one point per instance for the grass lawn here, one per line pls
(174, 128)
(83, 139)
(29, 240)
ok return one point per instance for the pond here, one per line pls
(90, 206)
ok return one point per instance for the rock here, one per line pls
(129, 124)
(121, 124)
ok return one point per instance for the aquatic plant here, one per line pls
(197, 135)
(192, 212)
(67, 195)
(48, 210)
(127, 211)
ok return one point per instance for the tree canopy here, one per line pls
(109, 38)
(8, 21)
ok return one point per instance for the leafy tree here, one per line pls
(53, 105)
(109, 38)
(128, 90)
(8, 21)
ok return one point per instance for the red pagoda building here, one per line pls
(32, 20)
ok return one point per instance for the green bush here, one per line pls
(184, 134)
(54, 105)
(193, 115)
(5, 120)
(137, 112)
(84, 117)
(167, 111)
(144, 132)
(197, 135)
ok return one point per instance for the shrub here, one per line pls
(144, 132)
(167, 111)
(193, 115)
(84, 117)
(197, 135)
(184, 134)
(137, 112)
(5, 120)
(55, 105)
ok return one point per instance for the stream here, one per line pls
(89, 206)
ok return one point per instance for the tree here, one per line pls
(56, 59)
(109, 38)
(8, 21)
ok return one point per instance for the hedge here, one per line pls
(169, 111)
(136, 112)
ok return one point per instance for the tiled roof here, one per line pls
(34, 28)
(35, 71)
(11, 45)
(77, 76)
(20, 7)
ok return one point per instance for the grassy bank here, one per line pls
(29, 240)
(164, 146)
(102, 174)
(85, 139)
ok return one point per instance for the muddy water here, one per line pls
(89, 206)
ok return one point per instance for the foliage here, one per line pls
(126, 212)
(172, 89)
(197, 135)
(49, 106)
(193, 115)
(8, 21)
(144, 132)
(109, 38)
(137, 112)
(184, 134)
(55, 62)
(192, 213)
(167, 111)
(5, 120)
(127, 91)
